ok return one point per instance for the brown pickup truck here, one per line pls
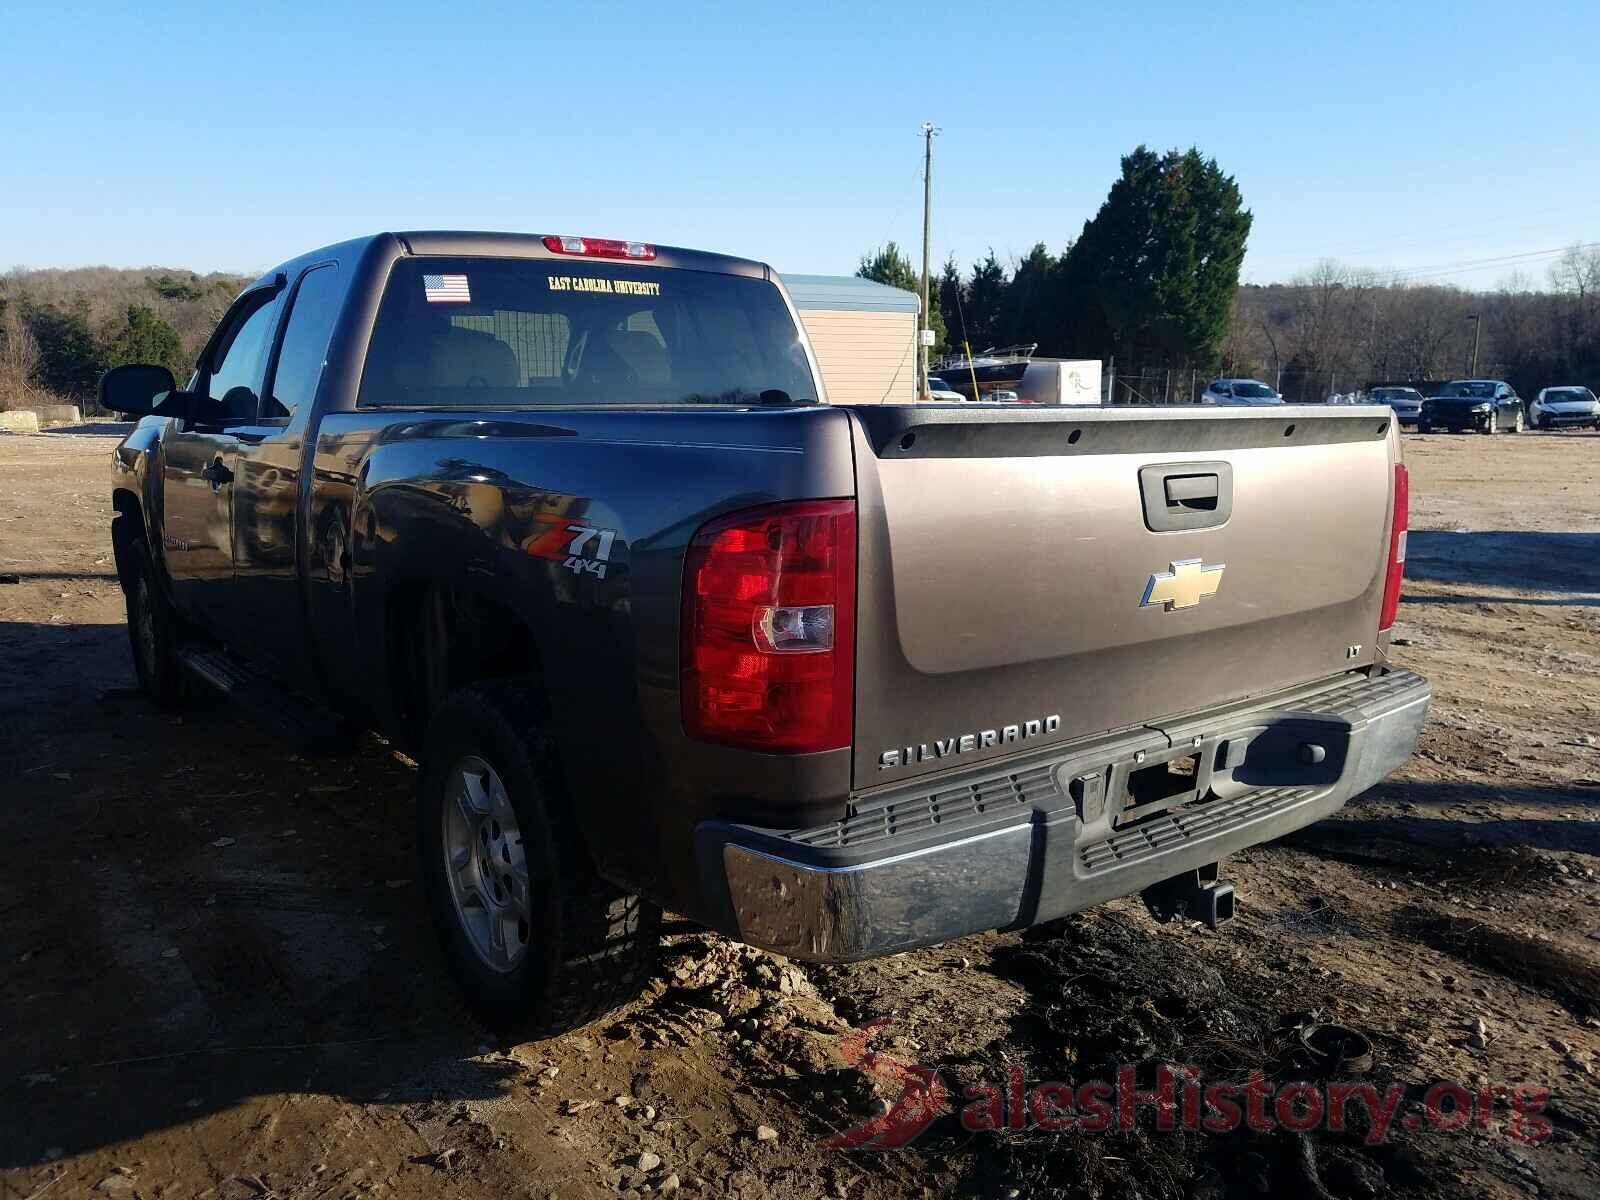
(574, 520)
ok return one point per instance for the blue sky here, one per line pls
(1413, 135)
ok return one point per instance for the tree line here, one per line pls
(1151, 288)
(60, 330)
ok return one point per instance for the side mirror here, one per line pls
(135, 389)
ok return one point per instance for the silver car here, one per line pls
(1564, 406)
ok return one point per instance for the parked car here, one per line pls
(1556, 406)
(570, 520)
(1405, 401)
(1239, 392)
(939, 392)
(1486, 405)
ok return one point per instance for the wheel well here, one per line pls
(442, 637)
(127, 528)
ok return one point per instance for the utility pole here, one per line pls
(924, 334)
(1477, 330)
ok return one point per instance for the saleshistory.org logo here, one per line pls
(1179, 1099)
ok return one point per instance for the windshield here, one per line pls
(1469, 387)
(1568, 395)
(1252, 391)
(497, 331)
(1395, 394)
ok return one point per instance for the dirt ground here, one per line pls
(216, 979)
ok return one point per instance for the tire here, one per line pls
(1517, 423)
(154, 631)
(575, 947)
(1422, 427)
(1492, 425)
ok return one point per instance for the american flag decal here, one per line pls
(446, 289)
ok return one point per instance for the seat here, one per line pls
(644, 354)
(458, 358)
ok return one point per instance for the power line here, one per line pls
(1465, 266)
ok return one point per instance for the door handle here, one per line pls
(1190, 495)
(216, 474)
(1191, 491)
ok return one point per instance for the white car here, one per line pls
(1239, 391)
(1564, 406)
(940, 392)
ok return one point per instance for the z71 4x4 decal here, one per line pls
(579, 547)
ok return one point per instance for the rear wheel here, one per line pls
(537, 940)
(154, 631)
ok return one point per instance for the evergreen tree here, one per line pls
(889, 264)
(146, 338)
(985, 302)
(951, 303)
(1025, 312)
(1153, 277)
(70, 360)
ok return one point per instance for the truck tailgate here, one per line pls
(1029, 576)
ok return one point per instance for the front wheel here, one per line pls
(1424, 427)
(154, 631)
(1517, 424)
(537, 940)
(1492, 425)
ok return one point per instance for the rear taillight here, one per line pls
(1397, 547)
(769, 602)
(599, 247)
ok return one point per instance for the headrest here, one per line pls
(460, 358)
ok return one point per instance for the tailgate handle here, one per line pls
(1190, 495)
(1192, 491)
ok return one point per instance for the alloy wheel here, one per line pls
(486, 865)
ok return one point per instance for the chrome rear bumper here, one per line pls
(1058, 831)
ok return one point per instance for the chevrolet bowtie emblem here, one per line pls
(1182, 587)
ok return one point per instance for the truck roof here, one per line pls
(482, 243)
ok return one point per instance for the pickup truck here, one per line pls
(572, 519)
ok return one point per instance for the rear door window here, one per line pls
(305, 342)
(481, 332)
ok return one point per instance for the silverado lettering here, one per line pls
(966, 743)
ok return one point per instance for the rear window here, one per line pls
(483, 331)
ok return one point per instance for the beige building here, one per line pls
(864, 335)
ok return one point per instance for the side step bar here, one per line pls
(305, 725)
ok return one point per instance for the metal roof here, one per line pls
(849, 293)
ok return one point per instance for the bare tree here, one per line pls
(19, 359)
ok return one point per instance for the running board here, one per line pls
(307, 726)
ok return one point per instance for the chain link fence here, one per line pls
(1163, 384)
